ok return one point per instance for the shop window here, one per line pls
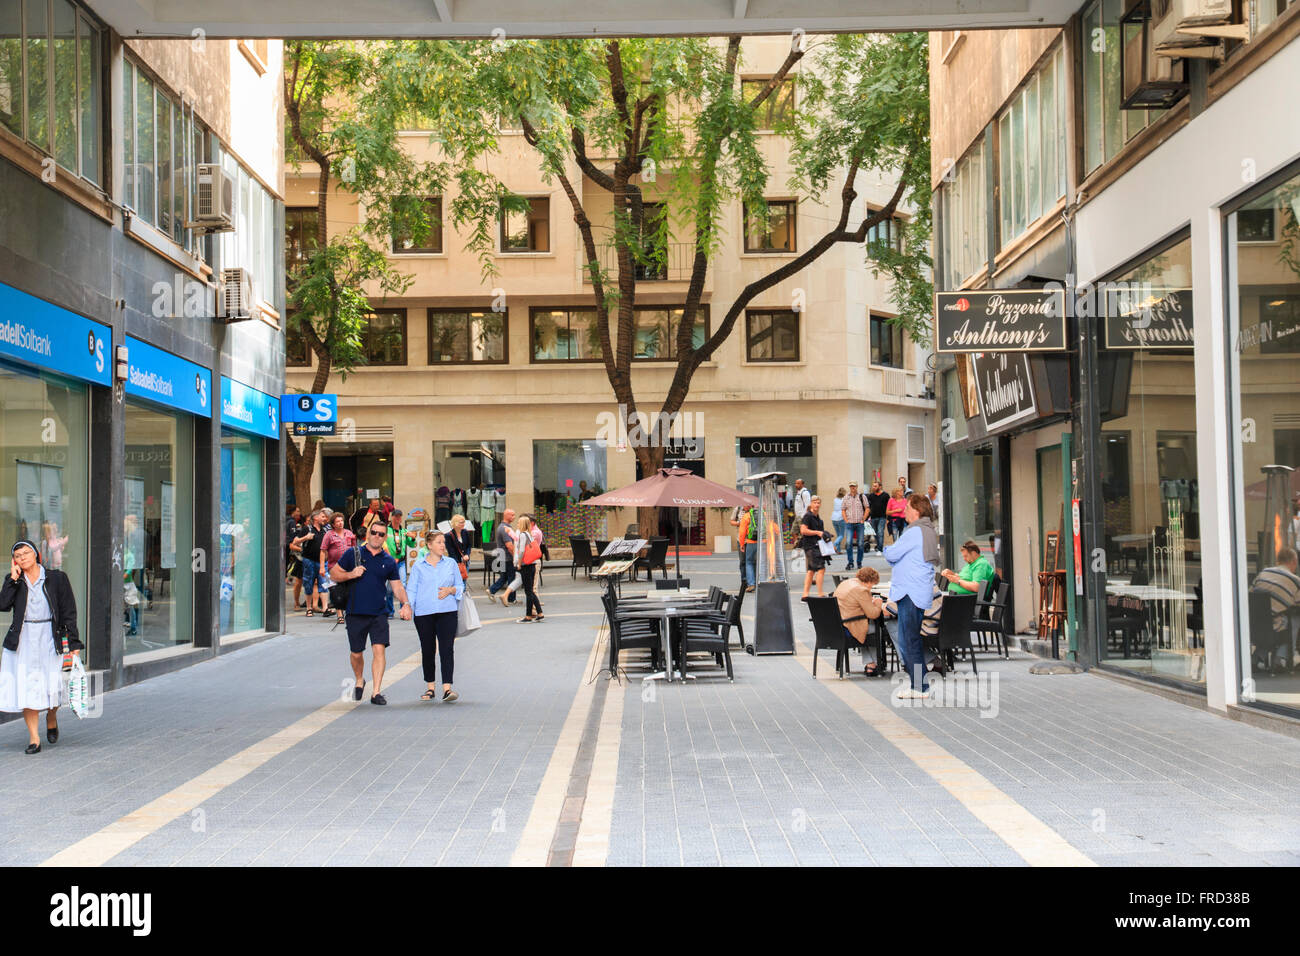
(243, 523)
(565, 335)
(301, 239)
(1031, 140)
(773, 233)
(772, 335)
(1150, 480)
(779, 105)
(42, 40)
(1266, 392)
(432, 215)
(528, 231)
(976, 502)
(886, 342)
(383, 339)
(158, 529)
(964, 230)
(466, 336)
(566, 472)
(656, 332)
(45, 473)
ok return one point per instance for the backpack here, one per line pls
(342, 590)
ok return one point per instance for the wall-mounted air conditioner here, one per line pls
(235, 297)
(214, 200)
(1190, 28)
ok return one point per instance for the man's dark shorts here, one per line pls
(361, 625)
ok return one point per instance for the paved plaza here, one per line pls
(257, 758)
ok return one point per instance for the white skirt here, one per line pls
(32, 677)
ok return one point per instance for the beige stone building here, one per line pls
(493, 383)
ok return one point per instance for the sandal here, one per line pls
(310, 612)
(429, 694)
(872, 669)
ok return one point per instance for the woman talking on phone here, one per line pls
(44, 617)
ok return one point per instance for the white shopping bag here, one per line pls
(78, 688)
(826, 548)
(468, 617)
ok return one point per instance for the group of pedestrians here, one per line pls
(519, 547)
(857, 516)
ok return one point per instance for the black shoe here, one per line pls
(33, 749)
(450, 697)
(52, 734)
(378, 699)
(358, 691)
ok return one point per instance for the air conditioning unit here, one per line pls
(235, 295)
(214, 202)
(1189, 28)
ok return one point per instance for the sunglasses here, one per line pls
(378, 534)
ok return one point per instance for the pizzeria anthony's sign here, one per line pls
(1142, 317)
(1005, 320)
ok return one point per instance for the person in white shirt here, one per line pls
(800, 499)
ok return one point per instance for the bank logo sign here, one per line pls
(246, 409)
(168, 379)
(1005, 320)
(39, 333)
(1141, 316)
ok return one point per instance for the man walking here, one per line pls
(366, 614)
(800, 499)
(854, 510)
(877, 503)
(310, 541)
(505, 545)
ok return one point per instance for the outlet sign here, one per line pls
(1002, 320)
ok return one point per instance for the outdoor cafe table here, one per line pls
(666, 609)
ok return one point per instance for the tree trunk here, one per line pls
(651, 460)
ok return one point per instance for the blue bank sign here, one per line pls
(38, 333)
(246, 409)
(168, 379)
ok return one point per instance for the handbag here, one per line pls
(826, 548)
(467, 617)
(464, 571)
(342, 589)
(131, 594)
(532, 551)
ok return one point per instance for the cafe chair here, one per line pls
(954, 629)
(829, 632)
(655, 560)
(582, 557)
(671, 584)
(1270, 649)
(629, 633)
(1129, 623)
(711, 635)
(991, 620)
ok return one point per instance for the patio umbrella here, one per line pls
(673, 488)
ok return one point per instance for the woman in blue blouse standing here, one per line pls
(914, 557)
(435, 591)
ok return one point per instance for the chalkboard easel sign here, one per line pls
(1051, 551)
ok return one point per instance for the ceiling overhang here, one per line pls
(531, 18)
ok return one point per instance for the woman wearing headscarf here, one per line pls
(914, 558)
(33, 662)
(435, 590)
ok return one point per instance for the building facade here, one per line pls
(1167, 418)
(139, 430)
(475, 386)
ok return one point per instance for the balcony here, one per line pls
(676, 265)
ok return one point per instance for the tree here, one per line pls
(672, 120)
(342, 115)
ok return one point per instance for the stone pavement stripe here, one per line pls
(566, 834)
(549, 804)
(1034, 840)
(598, 808)
(98, 848)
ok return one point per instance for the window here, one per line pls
(300, 235)
(405, 245)
(1106, 127)
(964, 232)
(465, 336)
(44, 45)
(383, 340)
(1031, 139)
(252, 244)
(777, 234)
(255, 52)
(777, 107)
(296, 352)
(162, 144)
(1257, 222)
(886, 342)
(889, 231)
(527, 231)
(565, 335)
(772, 336)
(653, 249)
(656, 331)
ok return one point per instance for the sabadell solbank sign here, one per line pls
(1005, 320)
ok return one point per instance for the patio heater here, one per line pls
(1276, 531)
(773, 626)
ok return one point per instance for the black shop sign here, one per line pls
(1142, 317)
(1005, 383)
(799, 447)
(1005, 320)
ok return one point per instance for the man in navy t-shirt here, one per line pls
(367, 615)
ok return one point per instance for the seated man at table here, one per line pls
(858, 608)
(974, 576)
(1282, 586)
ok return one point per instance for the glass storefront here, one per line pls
(873, 461)
(345, 467)
(243, 525)
(565, 472)
(976, 502)
(158, 528)
(469, 478)
(1264, 349)
(44, 472)
(1149, 474)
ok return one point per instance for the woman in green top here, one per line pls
(974, 577)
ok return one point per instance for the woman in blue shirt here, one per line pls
(914, 557)
(435, 590)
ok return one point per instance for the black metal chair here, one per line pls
(992, 620)
(657, 559)
(627, 633)
(829, 632)
(1129, 623)
(717, 596)
(1267, 643)
(582, 557)
(955, 628)
(632, 532)
(711, 635)
(671, 584)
